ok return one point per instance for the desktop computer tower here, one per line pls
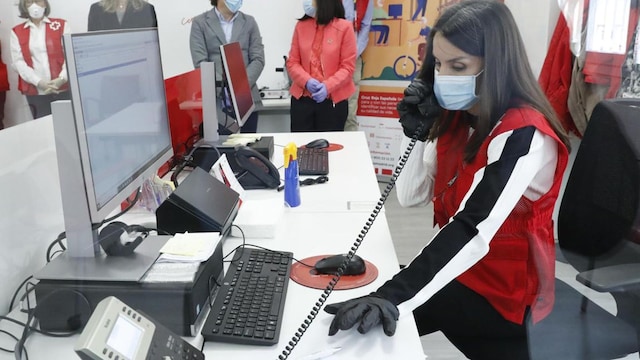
(200, 203)
(66, 305)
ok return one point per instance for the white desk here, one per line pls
(323, 224)
(352, 183)
(300, 235)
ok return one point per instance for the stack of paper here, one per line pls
(190, 247)
(181, 256)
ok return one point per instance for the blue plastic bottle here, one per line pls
(291, 176)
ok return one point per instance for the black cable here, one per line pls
(15, 294)
(14, 338)
(25, 296)
(35, 329)
(274, 251)
(179, 168)
(94, 226)
(360, 237)
(28, 328)
(132, 203)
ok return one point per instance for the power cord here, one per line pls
(15, 294)
(247, 245)
(29, 328)
(95, 226)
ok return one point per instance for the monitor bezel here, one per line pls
(99, 213)
(231, 82)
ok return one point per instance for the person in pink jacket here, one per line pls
(321, 63)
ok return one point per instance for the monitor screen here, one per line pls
(120, 112)
(235, 77)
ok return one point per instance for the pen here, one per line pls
(321, 354)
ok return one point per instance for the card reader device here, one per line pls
(117, 331)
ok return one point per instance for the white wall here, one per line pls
(536, 21)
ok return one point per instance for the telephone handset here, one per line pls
(257, 172)
(115, 330)
(352, 251)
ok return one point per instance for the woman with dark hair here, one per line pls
(223, 24)
(38, 57)
(491, 157)
(321, 63)
(121, 14)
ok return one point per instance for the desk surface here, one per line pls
(262, 105)
(352, 182)
(300, 235)
(323, 224)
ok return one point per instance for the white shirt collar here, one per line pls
(29, 23)
(221, 17)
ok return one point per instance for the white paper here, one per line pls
(607, 26)
(164, 272)
(190, 247)
(221, 170)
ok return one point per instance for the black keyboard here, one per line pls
(313, 161)
(249, 305)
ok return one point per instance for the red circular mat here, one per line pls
(308, 277)
(334, 147)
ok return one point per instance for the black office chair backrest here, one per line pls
(600, 202)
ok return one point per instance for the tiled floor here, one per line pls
(410, 227)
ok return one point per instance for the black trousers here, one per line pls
(308, 115)
(473, 325)
(3, 97)
(40, 105)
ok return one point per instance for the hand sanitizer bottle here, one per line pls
(291, 176)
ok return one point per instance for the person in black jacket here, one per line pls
(121, 14)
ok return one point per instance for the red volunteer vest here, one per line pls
(4, 77)
(53, 40)
(361, 9)
(519, 269)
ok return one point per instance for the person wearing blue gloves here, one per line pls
(490, 156)
(321, 63)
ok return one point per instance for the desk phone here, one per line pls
(117, 332)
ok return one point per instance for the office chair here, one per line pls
(598, 218)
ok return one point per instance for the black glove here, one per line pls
(367, 311)
(419, 106)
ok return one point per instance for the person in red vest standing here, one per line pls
(490, 158)
(37, 56)
(4, 87)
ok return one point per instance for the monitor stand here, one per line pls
(129, 268)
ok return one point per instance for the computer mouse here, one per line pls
(330, 265)
(318, 144)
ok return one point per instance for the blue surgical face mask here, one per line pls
(233, 5)
(309, 9)
(455, 92)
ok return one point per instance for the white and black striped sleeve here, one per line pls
(515, 161)
(414, 186)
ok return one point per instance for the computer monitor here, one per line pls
(236, 81)
(114, 133)
(395, 11)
